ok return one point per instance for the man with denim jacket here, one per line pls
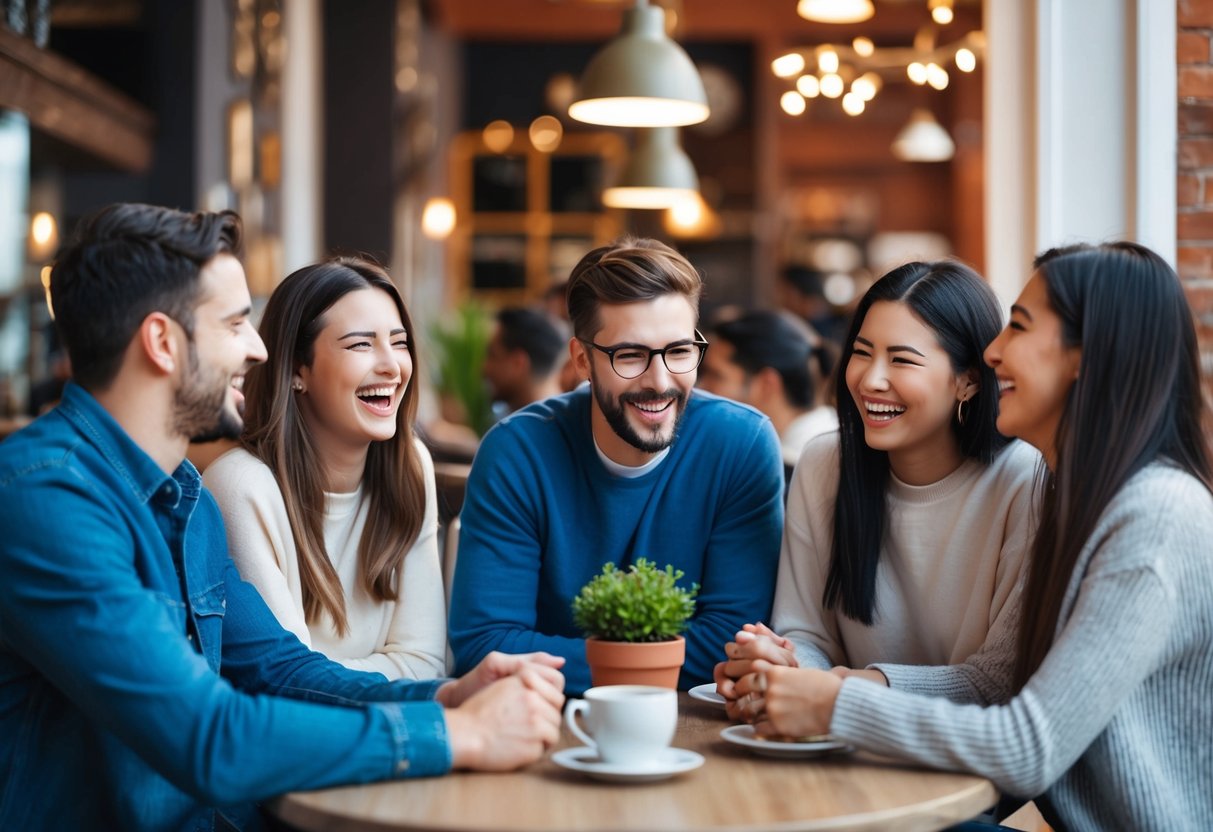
(143, 685)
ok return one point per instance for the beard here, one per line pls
(200, 405)
(614, 409)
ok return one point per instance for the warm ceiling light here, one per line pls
(966, 61)
(836, 11)
(692, 218)
(498, 135)
(641, 78)
(917, 72)
(438, 218)
(923, 140)
(785, 66)
(937, 76)
(941, 11)
(863, 46)
(792, 103)
(658, 173)
(827, 60)
(832, 85)
(852, 104)
(808, 86)
(866, 86)
(546, 133)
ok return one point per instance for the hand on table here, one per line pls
(507, 724)
(787, 701)
(542, 668)
(753, 642)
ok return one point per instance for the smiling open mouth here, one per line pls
(378, 397)
(883, 412)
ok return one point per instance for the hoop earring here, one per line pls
(962, 412)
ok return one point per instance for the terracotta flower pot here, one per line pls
(643, 663)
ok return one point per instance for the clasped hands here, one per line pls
(505, 712)
(763, 685)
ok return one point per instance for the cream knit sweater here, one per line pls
(400, 639)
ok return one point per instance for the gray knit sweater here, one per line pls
(1115, 729)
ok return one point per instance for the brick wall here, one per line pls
(1194, 52)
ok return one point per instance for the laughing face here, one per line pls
(903, 384)
(1035, 370)
(209, 403)
(361, 366)
(633, 419)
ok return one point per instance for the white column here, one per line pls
(1080, 128)
(302, 99)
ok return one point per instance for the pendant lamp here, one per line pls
(923, 139)
(641, 78)
(836, 11)
(658, 174)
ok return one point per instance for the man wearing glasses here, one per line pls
(630, 466)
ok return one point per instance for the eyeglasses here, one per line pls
(632, 360)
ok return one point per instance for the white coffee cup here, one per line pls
(627, 724)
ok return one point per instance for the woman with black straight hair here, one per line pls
(905, 531)
(1104, 713)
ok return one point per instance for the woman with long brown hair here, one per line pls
(330, 503)
(1105, 716)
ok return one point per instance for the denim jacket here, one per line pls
(143, 685)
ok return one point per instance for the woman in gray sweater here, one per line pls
(1103, 709)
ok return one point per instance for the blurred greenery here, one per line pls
(460, 340)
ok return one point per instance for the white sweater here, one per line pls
(1116, 725)
(400, 639)
(951, 560)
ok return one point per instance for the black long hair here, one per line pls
(1137, 399)
(957, 305)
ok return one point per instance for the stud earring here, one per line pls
(297, 386)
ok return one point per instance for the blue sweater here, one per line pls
(542, 515)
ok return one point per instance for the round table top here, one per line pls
(734, 790)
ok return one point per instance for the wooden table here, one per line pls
(734, 790)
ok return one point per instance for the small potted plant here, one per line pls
(633, 622)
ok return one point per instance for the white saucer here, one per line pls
(584, 759)
(743, 735)
(707, 693)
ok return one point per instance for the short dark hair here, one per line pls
(629, 270)
(538, 334)
(125, 262)
(806, 280)
(762, 339)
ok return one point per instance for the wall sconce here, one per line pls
(658, 174)
(438, 218)
(836, 11)
(923, 139)
(641, 79)
(43, 237)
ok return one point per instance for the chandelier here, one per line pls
(854, 73)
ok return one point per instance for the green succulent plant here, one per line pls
(643, 603)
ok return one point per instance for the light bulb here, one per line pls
(831, 85)
(808, 86)
(966, 61)
(792, 103)
(937, 76)
(827, 60)
(863, 46)
(785, 66)
(852, 104)
(917, 73)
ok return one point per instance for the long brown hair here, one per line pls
(1137, 399)
(276, 434)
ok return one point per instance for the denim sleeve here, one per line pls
(75, 605)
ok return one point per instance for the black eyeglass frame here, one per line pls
(697, 341)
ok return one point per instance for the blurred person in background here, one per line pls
(525, 357)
